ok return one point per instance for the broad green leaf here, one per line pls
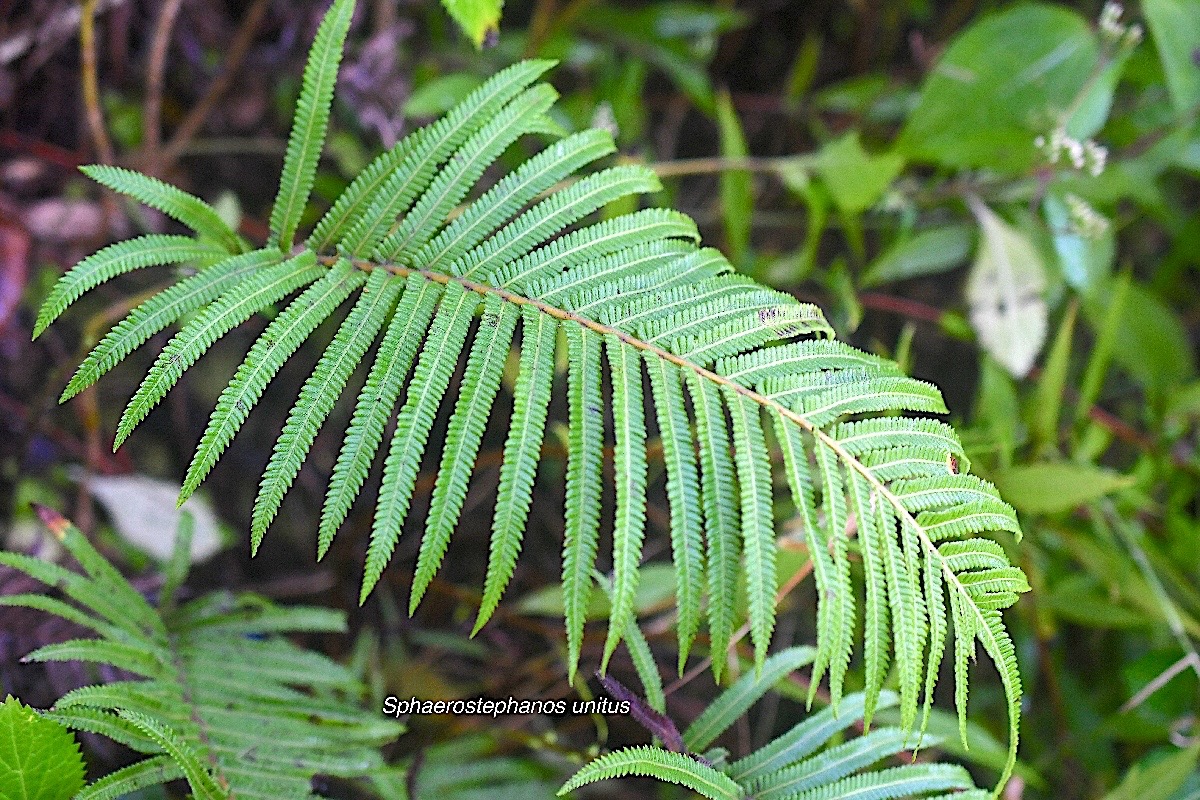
(1004, 291)
(926, 253)
(1052, 487)
(1153, 345)
(1157, 776)
(998, 86)
(1084, 260)
(440, 94)
(39, 759)
(477, 18)
(855, 178)
(737, 185)
(1175, 25)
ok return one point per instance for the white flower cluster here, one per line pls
(1113, 31)
(1082, 155)
(1085, 220)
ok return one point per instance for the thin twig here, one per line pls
(155, 75)
(91, 84)
(233, 63)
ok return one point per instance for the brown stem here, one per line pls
(237, 53)
(91, 84)
(155, 75)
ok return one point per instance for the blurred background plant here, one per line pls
(1001, 197)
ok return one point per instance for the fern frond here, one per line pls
(721, 525)
(869, 479)
(461, 172)
(229, 310)
(629, 459)
(737, 699)
(585, 457)
(655, 763)
(803, 739)
(434, 367)
(309, 124)
(428, 149)
(833, 764)
(522, 452)
(118, 259)
(174, 202)
(481, 382)
(375, 402)
(683, 494)
(273, 347)
(224, 701)
(161, 310)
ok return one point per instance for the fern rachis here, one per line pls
(633, 293)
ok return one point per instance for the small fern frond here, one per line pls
(118, 259)
(811, 760)
(522, 452)
(174, 202)
(220, 698)
(745, 692)
(653, 762)
(309, 124)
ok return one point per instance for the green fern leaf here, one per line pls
(481, 381)
(906, 781)
(462, 171)
(721, 524)
(430, 378)
(737, 699)
(231, 309)
(144, 774)
(584, 486)
(161, 310)
(118, 259)
(309, 124)
(758, 524)
(683, 494)
(802, 740)
(833, 764)
(175, 203)
(227, 703)
(655, 763)
(629, 459)
(375, 403)
(483, 216)
(522, 452)
(428, 149)
(319, 393)
(273, 347)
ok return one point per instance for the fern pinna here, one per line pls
(807, 762)
(217, 695)
(625, 296)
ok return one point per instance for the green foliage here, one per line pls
(477, 18)
(808, 762)
(220, 697)
(39, 758)
(866, 478)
